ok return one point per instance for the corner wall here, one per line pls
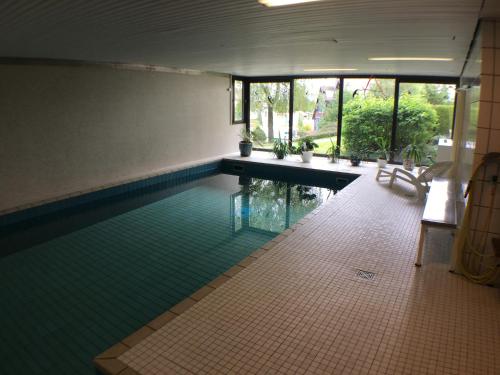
(66, 129)
(488, 135)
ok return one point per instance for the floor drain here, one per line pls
(367, 275)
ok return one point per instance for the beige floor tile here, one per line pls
(306, 308)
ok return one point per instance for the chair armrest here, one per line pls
(422, 169)
(409, 175)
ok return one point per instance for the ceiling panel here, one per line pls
(242, 36)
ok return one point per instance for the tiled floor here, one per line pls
(301, 307)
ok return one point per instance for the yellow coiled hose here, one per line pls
(473, 260)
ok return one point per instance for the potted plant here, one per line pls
(383, 152)
(412, 155)
(280, 148)
(333, 152)
(355, 158)
(307, 146)
(246, 142)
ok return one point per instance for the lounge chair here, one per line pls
(420, 180)
(423, 178)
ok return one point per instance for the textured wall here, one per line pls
(65, 129)
(488, 133)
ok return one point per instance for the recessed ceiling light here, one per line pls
(330, 70)
(278, 3)
(410, 59)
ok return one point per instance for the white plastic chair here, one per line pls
(423, 178)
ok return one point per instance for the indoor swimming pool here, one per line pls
(76, 282)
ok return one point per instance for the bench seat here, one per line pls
(440, 210)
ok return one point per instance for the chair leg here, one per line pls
(423, 229)
(391, 181)
(420, 193)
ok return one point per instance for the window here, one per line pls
(425, 115)
(370, 123)
(315, 110)
(269, 104)
(367, 116)
(238, 100)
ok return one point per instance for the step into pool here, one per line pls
(74, 283)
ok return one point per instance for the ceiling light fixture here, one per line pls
(330, 70)
(278, 3)
(410, 59)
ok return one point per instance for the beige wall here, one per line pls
(65, 129)
(488, 134)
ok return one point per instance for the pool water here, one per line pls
(73, 285)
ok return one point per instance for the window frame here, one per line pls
(451, 80)
(290, 81)
(243, 101)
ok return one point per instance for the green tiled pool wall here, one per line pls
(164, 180)
(312, 177)
(101, 283)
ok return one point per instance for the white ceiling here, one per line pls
(243, 37)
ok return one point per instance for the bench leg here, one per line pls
(418, 261)
(453, 254)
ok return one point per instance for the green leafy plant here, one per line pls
(251, 136)
(333, 151)
(383, 148)
(258, 135)
(415, 152)
(294, 150)
(280, 148)
(365, 120)
(245, 135)
(307, 144)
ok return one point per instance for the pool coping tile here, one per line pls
(202, 293)
(183, 306)
(137, 336)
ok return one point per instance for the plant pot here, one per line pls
(382, 163)
(280, 156)
(355, 162)
(408, 164)
(245, 148)
(307, 156)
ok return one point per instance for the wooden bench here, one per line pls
(440, 210)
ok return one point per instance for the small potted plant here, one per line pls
(280, 148)
(307, 146)
(333, 152)
(383, 152)
(246, 142)
(355, 158)
(412, 155)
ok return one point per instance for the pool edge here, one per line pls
(108, 363)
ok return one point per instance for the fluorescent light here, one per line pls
(278, 3)
(410, 59)
(330, 70)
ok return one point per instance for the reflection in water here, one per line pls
(273, 206)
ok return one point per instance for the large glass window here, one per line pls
(367, 116)
(425, 115)
(269, 103)
(237, 101)
(315, 110)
